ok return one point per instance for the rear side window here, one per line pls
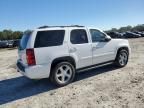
(49, 38)
(24, 41)
(78, 36)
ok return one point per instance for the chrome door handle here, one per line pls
(98, 47)
(73, 50)
(95, 47)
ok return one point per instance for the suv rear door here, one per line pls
(80, 48)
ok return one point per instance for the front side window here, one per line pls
(49, 38)
(97, 35)
(78, 36)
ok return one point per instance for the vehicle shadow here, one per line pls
(95, 71)
(21, 87)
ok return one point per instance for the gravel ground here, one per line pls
(105, 87)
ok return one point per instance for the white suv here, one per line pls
(58, 52)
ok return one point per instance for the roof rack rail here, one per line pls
(43, 27)
(59, 26)
(76, 26)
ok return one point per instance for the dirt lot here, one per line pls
(106, 87)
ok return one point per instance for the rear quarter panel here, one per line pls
(45, 55)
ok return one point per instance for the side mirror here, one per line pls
(107, 39)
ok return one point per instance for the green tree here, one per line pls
(124, 29)
(1, 36)
(7, 34)
(17, 35)
(27, 31)
(114, 30)
(138, 28)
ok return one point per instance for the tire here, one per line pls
(122, 58)
(62, 74)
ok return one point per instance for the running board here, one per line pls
(93, 66)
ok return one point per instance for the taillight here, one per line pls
(30, 57)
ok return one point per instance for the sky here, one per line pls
(102, 14)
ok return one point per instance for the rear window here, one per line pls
(24, 41)
(49, 38)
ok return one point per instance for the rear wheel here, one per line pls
(62, 74)
(122, 58)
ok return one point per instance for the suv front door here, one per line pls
(80, 48)
(103, 49)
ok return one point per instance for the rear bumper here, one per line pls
(34, 72)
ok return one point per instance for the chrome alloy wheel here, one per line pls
(123, 58)
(64, 74)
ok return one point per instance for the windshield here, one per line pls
(24, 41)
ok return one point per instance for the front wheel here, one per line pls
(122, 58)
(63, 73)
